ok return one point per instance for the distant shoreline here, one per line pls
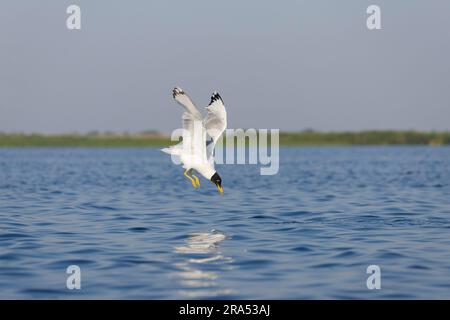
(301, 138)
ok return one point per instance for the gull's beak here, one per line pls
(217, 181)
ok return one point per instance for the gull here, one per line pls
(200, 135)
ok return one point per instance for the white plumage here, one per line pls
(196, 151)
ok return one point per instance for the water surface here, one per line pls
(138, 230)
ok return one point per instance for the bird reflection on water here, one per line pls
(201, 266)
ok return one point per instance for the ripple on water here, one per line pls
(139, 229)
(302, 249)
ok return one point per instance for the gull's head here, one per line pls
(217, 181)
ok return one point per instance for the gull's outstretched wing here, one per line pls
(193, 140)
(215, 122)
(182, 98)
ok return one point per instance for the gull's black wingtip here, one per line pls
(176, 91)
(215, 97)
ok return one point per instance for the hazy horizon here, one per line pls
(167, 134)
(293, 66)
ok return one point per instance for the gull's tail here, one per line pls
(175, 150)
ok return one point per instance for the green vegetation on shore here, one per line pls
(307, 138)
(365, 138)
(83, 140)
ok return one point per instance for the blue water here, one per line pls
(137, 229)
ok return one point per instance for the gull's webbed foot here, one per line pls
(196, 180)
(193, 181)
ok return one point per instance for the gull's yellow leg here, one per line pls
(196, 180)
(186, 174)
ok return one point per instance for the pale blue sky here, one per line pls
(278, 64)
